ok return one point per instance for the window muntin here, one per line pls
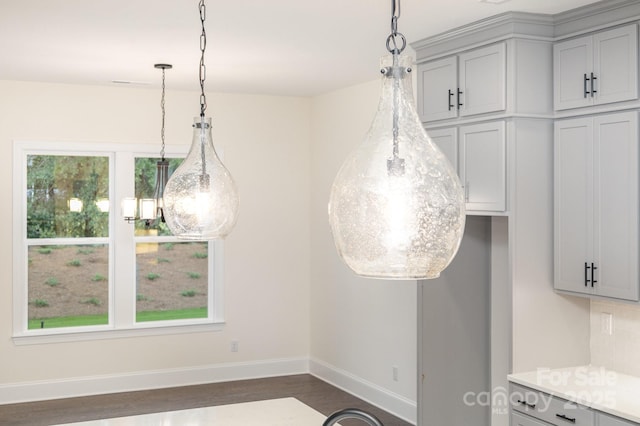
(118, 238)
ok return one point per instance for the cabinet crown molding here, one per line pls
(494, 28)
(506, 25)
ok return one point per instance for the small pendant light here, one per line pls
(200, 199)
(151, 209)
(397, 209)
(162, 166)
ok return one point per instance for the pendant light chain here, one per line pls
(392, 40)
(203, 68)
(163, 114)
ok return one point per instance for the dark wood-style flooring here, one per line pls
(308, 389)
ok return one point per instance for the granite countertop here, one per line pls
(596, 387)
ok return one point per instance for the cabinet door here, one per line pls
(520, 420)
(483, 166)
(573, 222)
(437, 83)
(607, 420)
(447, 141)
(482, 80)
(615, 58)
(616, 205)
(572, 61)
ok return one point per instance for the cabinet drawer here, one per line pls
(520, 420)
(543, 406)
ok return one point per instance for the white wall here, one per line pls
(619, 351)
(266, 146)
(360, 327)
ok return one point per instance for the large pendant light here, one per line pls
(200, 199)
(397, 209)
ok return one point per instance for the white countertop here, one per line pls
(596, 387)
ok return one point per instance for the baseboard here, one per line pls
(144, 380)
(395, 404)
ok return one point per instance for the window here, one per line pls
(80, 270)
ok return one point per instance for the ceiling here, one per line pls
(283, 47)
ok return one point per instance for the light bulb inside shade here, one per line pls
(200, 199)
(147, 209)
(396, 207)
(129, 208)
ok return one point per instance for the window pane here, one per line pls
(68, 286)
(67, 196)
(145, 184)
(171, 280)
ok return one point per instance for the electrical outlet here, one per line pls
(606, 323)
(394, 370)
(234, 346)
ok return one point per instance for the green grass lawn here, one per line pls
(85, 320)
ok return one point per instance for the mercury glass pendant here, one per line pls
(200, 199)
(397, 209)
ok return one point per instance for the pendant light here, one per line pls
(162, 166)
(151, 209)
(397, 209)
(200, 199)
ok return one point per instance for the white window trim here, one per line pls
(122, 300)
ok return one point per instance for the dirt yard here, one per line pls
(73, 280)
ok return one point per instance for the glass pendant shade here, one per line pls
(200, 199)
(397, 209)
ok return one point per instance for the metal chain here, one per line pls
(203, 68)
(163, 113)
(392, 40)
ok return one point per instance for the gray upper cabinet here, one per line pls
(478, 153)
(596, 206)
(596, 69)
(467, 84)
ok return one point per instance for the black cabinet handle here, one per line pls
(459, 103)
(585, 86)
(525, 403)
(449, 100)
(586, 274)
(565, 418)
(593, 269)
(593, 84)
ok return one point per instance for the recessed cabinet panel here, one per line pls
(483, 166)
(616, 65)
(438, 81)
(572, 61)
(616, 206)
(596, 206)
(482, 80)
(596, 69)
(447, 141)
(573, 198)
(471, 83)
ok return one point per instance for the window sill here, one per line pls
(60, 336)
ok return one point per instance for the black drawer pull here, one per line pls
(565, 418)
(450, 96)
(525, 403)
